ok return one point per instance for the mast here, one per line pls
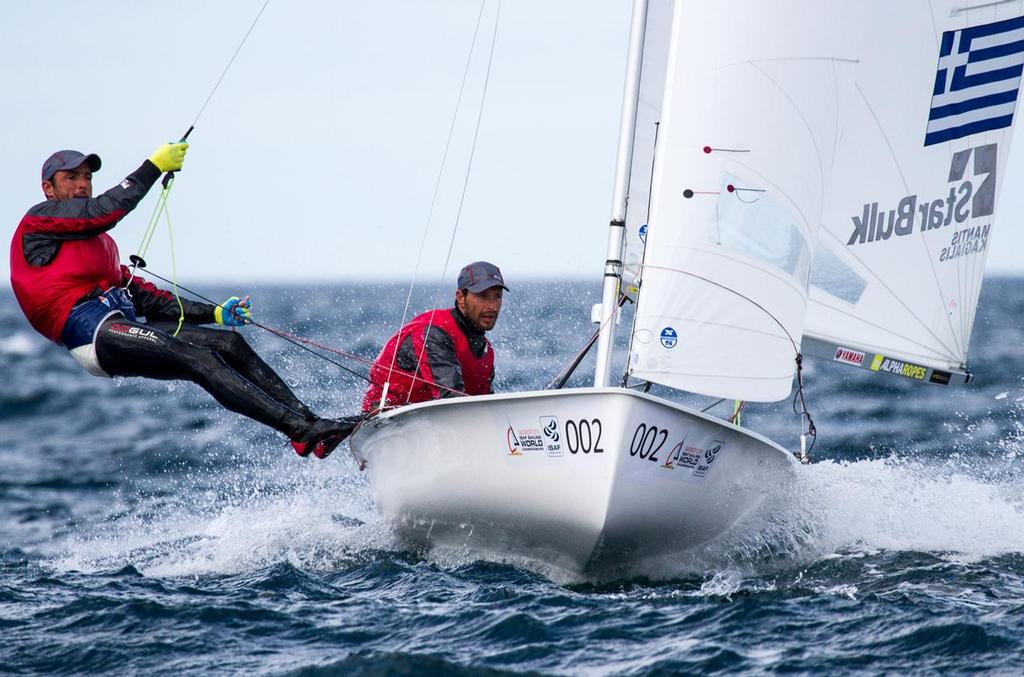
(617, 225)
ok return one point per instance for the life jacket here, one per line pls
(405, 387)
(46, 293)
(61, 251)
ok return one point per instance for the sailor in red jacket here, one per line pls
(443, 352)
(68, 279)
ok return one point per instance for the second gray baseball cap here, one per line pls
(480, 276)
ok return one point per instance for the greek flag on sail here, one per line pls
(977, 80)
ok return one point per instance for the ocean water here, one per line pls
(145, 530)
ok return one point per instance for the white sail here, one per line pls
(746, 144)
(657, 31)
(902, 250)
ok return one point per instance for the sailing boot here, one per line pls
(324, 435)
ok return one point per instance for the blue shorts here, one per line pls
(79, 333)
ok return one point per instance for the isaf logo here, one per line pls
(552, 436)
(971, 196)
(710, 454)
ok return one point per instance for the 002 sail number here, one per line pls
(583, 436)
(648, 441)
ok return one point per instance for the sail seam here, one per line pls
(796, 348)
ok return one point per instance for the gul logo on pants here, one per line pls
(133, 332)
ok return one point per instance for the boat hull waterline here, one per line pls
(585, 479)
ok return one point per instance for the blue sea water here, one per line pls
(145, 530)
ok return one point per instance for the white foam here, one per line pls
(903, 505)
(318, 518)
(321, 516)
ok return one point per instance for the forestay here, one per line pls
(750, 125)
(909, 218)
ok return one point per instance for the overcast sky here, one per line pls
(316, 159)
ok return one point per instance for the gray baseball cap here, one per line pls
(480, 276)
(64, 160)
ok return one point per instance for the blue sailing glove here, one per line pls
(234, 312)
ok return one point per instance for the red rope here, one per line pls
(309, 342)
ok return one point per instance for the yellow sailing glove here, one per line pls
(234, 312)
(169, 157)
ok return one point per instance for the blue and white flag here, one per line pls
(977, 80)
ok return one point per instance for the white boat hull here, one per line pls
(582, 479)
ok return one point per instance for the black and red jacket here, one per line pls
(61, 255)
(453, 358)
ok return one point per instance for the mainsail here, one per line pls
(908, 220)
(749, 130)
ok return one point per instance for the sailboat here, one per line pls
(795, 178)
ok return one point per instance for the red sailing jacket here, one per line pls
(450, 346)
(61, 252)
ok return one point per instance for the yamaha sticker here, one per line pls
(847, 356)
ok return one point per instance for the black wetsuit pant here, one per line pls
(219, 361)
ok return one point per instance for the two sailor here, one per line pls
(69, 281)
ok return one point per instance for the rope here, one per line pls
(465, 181)
(808, 429)
(712, 405)
(230, 61)
(737, 410)
(302, 342)
(161, 203)
(147, 234)
(174, 267)
(437, 190)
(147, 238)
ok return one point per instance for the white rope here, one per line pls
(465, 184)
(230, 61)
(437, 186)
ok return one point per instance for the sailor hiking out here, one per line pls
(69, 281)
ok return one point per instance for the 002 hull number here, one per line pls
(648, 441)
(583, 436)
